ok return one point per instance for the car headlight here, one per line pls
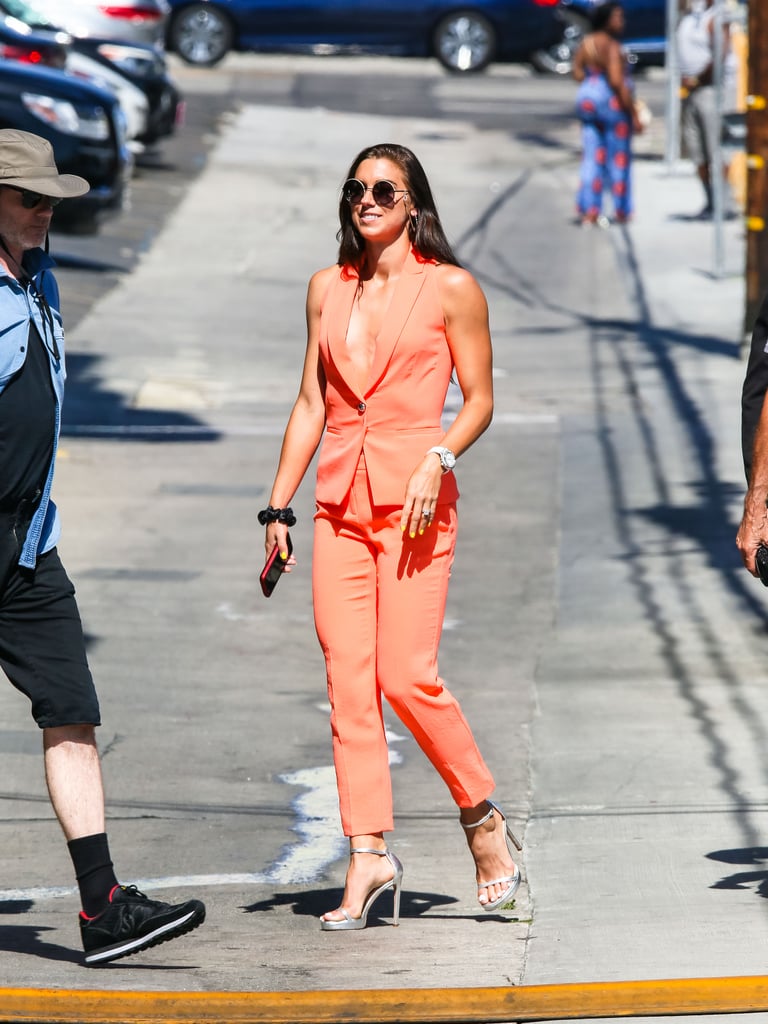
(142, 63)
(121, 125)
(63, 115)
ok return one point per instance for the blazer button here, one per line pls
(361, 406)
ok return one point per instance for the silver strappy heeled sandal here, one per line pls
(355, 923)
(512, 881)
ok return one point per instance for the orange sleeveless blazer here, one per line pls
(395, 418)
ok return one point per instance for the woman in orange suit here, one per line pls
(388, 324)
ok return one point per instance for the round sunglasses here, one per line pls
(383, 192)
(30, 199)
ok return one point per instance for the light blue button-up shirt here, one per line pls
(19, 305)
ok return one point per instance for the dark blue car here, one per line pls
(463, 37)
(644, 35)
(645, 21)
(84, 124)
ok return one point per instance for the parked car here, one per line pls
(463, 38)
(20, 42)
(143, 66)
(644, 36)
(135, 21)
(85, 125)
(132, 99)
(147, 68)
(52, 48)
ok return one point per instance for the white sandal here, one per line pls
(512, 881)
(350, 923)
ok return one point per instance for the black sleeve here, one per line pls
(755, 386)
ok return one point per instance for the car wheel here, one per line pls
(464, 41)
(558, 59)
(201, 34)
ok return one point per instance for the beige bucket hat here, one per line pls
(27, 161)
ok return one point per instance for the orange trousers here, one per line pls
(379, 601)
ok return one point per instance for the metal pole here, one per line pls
(672, 65)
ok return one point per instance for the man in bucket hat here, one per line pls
(42, 650)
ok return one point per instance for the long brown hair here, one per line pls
(425, 231)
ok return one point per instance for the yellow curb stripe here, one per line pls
(668, 997)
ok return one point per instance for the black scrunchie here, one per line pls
(277, 515)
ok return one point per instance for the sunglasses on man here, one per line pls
(30, 199)
(383, 192)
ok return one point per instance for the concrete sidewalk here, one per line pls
(602, 639)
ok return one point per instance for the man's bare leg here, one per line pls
(73, 776)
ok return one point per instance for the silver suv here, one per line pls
(137, 21)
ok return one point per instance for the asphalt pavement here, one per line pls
(605, 644)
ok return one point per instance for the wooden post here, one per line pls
(757, 162)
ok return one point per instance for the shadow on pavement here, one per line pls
(314, 902)
(744, 879)
(26, 939)
(92, 411)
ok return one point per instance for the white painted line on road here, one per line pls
(148, 885)
(317, 814)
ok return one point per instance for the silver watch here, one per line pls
(447, 458)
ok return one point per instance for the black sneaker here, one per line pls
(133, 922)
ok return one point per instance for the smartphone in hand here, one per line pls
(761, 564)
(273, 568)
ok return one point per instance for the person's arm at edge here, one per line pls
(307, 420)
(466, 323)
(754, 440)
(753, 530)
(617, 79)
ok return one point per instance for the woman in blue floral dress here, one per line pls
(605, 106)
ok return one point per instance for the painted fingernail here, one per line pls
(413, 535)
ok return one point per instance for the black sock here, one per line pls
(93, 870)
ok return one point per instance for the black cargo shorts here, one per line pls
(42, 647)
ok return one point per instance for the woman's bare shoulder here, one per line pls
(322, 278)
(319, 284)
(455, 281)
(452, 275)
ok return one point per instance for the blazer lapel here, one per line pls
(403, 298)
(337, 312)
